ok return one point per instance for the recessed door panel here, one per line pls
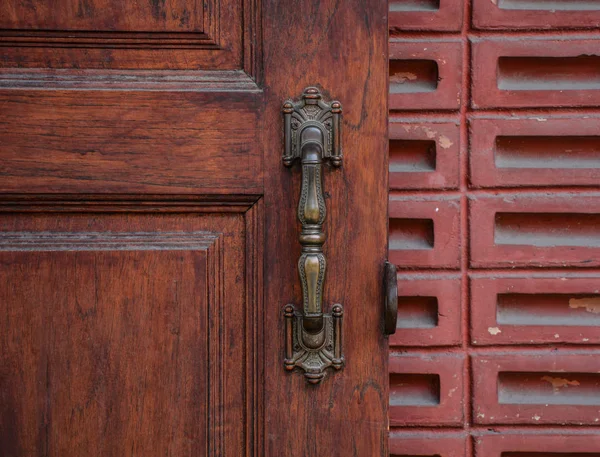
(126, 335)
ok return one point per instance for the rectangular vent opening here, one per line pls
(414, 5)
(547, 229)
(538, 152)
(408, 156)
(549, 73)
(417, 312)
(408, 389)
(413, 76)
(549, 388)
(409, 234)
(550, 5)
(579, 310)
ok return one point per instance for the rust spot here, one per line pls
(557, 383)
(590, 304)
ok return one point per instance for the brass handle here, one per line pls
(312, 135)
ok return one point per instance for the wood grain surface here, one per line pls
(148, 233)
(342, 48)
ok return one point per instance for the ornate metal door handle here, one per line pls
(312, 135)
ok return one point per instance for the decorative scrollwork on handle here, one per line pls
(312, 135)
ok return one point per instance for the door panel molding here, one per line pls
(115, 257)
(208, 35)
(116, 203)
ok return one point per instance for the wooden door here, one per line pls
(495, 227)
(149, 238)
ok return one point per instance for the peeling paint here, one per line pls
(590, 304)
(494, 330)
(444, 142)
(557, 383)
(430, 133)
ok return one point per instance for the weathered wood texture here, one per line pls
(127, 334)
(102, 15)
(151, 34)
(128, 142)
(112, 327)
(342, 48)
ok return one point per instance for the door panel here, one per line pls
(127, 334)
(131, 132)
(122, 141)
(94, 15)
(108, 34)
